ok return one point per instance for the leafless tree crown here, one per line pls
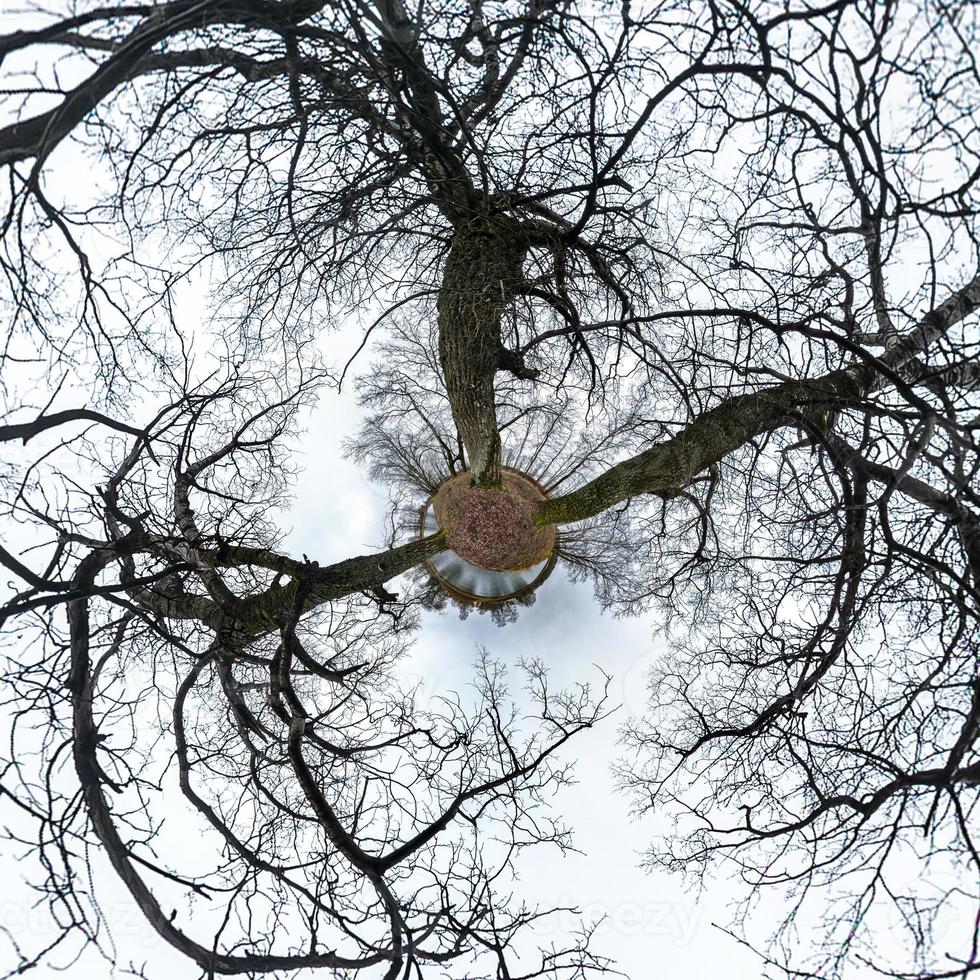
(708, 270)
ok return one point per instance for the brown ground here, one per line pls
(493, 529)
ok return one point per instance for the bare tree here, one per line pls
(356, 825)
(712, 266)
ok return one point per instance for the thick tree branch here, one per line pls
(670, 466)
(36, 136)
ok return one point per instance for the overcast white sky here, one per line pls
(651, 924)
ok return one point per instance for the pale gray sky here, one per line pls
(651, 924)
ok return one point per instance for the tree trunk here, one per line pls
(482, 272)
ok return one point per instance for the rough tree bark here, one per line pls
(480, 279)
(670, 466)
